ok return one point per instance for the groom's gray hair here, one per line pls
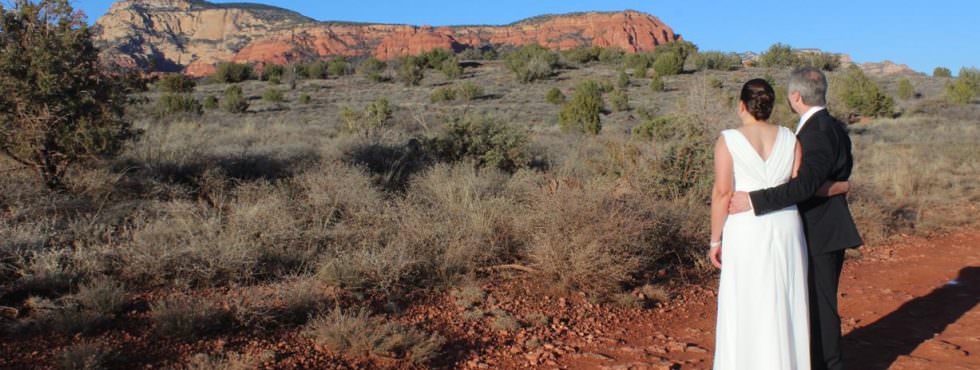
(811, 83)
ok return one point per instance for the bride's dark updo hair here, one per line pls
(759, 98)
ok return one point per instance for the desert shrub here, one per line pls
(183, 316)
(170, 104)
(315, 71)
(339, 67)
(59, 105)
(360, 333)
(555, 96)
(411, 70)
(905, 89)
(622, 80)
(668, 64)
(532, 62)
(273, 72)
(824, 61)
(611, 55)
(83, 356)
(942, 72)
(586, 240)
(581, 113)
(451, 68)
(176, 83)
(305, 99)
(965, 87)
(103, 295)
(230, 361)
(443, 94)
(483, 53)
(210, 103)
(862, 95)
(375, 117)
(606, 87)
(684, 156)
(715, 60)
(716, 83)
(234, 100)
(469, 91)
(273, 95)
(619, 100)
(657, 83)
(682, 48)
(373, 69)
(436, 58)
(228, 72)
(504, 321)
(779, 56)
(583, 55)
(638, 60)
(483, 140)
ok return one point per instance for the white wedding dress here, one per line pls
(763, 320)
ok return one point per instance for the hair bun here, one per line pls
(759, 98)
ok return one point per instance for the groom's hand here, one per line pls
(740, 203)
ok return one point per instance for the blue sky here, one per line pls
(922, 34)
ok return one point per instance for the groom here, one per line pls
(827, 221)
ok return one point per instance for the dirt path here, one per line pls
(909, 305)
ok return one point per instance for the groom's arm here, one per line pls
(818, 164)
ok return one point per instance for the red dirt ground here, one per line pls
(908, 305)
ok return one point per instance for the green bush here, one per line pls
(176, 83)
(638, 60)
(581, 113)
(862, 95)
(611, 55)
(714, 82)
(619, 100)
(210, 103)
(668, 64)
(905, 89)
(478, 54)
(942, 72)
(451, 68)
(373, 69)
(170, 104)
(411, 70)
(443, 94)
(436, 58)
(779, 56)
(715, 60)
(305, 99)
(59, 106)
(682, 48)
(582, 55)
(273, 72)
(273, 96)
(685, 150)
(657, 83)
(532, 62)
(965, 87)
(375, 117)
(555, 96)
(315, 71)
(623, 80)
(234, 100)
(338, 67)
(469, 91)
(228, 72)
(483, 140)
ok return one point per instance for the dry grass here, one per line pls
(281, 204)
(229, 361)
(83, 356)
(359, 333)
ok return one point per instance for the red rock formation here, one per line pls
(196, 34)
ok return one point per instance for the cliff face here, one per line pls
(191, 35)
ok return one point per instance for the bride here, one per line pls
(763, 319)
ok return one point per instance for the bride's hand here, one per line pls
(832, 188)
(715, 256)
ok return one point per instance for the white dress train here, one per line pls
(763, 319)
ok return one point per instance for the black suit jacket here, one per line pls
(826, 157)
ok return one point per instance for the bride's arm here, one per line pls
(830, 188)
(720, 197)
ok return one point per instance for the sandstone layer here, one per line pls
(192, 36)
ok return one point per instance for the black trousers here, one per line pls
(824, 277)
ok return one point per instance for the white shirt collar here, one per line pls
(806, 117)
